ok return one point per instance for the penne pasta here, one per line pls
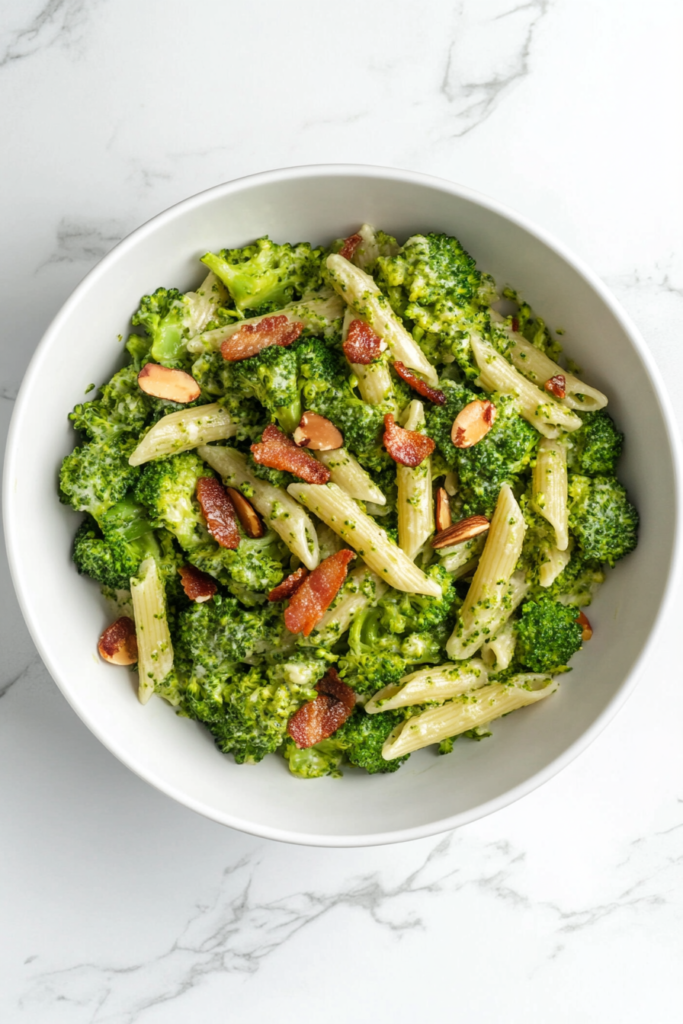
(347, 472)
(371, 247)
(155, 650)
(374, 379)
(203, 304)
(499, 650)
(181, 431)
(319, 314)
(362, 589)
(462, 558)
(538, 368)
(553, 561)
(331, 504)
(488, 601)
(415, 502)
(549, 488)
(436, 683)
(470, 711)
(537, 407)
(282, 514)
(361, 293)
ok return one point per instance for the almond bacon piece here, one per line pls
(118, 644)
(362, 345)
(289, 586)
(417, 384)
(317, 592)
(466, 529)
(165, 382)
(557, 385)
(350, 245)
(198, 585)
(219, 512)
(277, 451)
(442, 517)
(320, 718)
(407, 447)
(472, 423)
(253, 338)
(587, 629)
(251, 524)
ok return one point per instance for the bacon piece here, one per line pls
(320, 718)
(198, 585)
(407, 447)
(317, 592)
(557, 385)
(277, 451)
(362, 345)
(350, 245)
(119, 644)
(587, 629)
(253, 338)
(219, 512)
(515, 325)
(289, 586)
(417, 384)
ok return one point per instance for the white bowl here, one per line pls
(65, 613)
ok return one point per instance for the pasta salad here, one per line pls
(347, 501)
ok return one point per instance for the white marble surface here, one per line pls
(119, 906)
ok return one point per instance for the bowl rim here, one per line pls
(304, 171)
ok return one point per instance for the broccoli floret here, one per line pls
(111, 565)
(548, 634)
(362, 737)
(417, 613)
(97, 475)
(246, 712)
(602, 518)
(577, 582)
(254, 568)
(314, 762)
(265, 276)
(594, 448)
(325, 388)
(122, 408)
(435, 285)
(272, 378)
(499, 458)
(167, 488)
(213, 637)
(169, 319)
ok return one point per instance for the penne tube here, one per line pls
(321, 315)
(182, 431)
(553, 561)
(462, 558)
(436, 683)
(470, 711)
(361, 293)
(282, 514)
(371, 247)
(499, 650)
(549, 488)
(347, 472)
(374, 379)
(415, 502)
(538, 368)
(155, 650)
(362, 589)
(537, 407)
(203, 304)
(331, 504)
(488, 601)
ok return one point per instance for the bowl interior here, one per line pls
(66, 613)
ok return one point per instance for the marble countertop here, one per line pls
(120, 906)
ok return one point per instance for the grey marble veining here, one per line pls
(118, 905)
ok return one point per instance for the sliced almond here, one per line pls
(459, 532)
(557, 385)
(443, 510)
(118, 644)
(251, 524)
(472, 423)
(585, 626)
(165, 382)
(317, 433)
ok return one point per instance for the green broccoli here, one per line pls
(358, 741)
(169, 318)
(246, 712)
(417, 613)
(253, 569)
(434, 284)
(499, 458)
(97, 475)
(594, 448)
(272, 378)
(602, 518)
(548, 634)
(314, 762)
(212, 638)
(264, 276)
(122, 408)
